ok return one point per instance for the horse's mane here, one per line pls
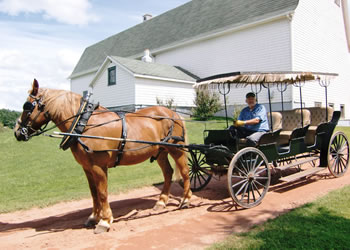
(61, 104)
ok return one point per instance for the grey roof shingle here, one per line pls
(188, 21)
(153, 69)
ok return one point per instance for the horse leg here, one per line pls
(92, 220)
(180, 158)
(164, 164)
(104, 215)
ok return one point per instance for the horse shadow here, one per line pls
(141, 207)
(75, 219)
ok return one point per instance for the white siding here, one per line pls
(123, 93)
(147, 90)
(319, 44)
(81, 83)
(266, 47)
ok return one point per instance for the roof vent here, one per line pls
(147, 17)
(147, 56)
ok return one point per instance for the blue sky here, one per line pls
(44, 39)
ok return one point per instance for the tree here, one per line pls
(8, 118)
(207, 103)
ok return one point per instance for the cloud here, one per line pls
(24, 57)
(76, 12)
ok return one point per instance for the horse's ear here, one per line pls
(35, 88)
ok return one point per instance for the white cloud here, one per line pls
(64, 11)
(23, 57)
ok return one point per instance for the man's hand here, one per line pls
(239, 123)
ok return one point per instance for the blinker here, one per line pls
(28, 106)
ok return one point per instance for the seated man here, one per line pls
(252, 122)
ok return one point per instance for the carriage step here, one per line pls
(296, 163)
(302, 174)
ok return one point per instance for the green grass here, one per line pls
(323, 224)
(37, 173)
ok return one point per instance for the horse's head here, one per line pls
(33, 117)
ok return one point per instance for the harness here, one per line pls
(123, 136)
(79, 123)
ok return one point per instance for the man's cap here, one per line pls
(250, 94)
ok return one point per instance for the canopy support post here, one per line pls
(282, 87)
(325, 84)
(301, 107)
(223, 91)
(256, 90)
(270, 105)
(299, 84)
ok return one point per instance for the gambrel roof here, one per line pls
(187, 22)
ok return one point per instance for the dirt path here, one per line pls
(136, 226)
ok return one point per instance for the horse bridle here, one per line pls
(29, 107)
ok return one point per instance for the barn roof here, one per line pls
(189, 21)
(155, 69)
(144, 69)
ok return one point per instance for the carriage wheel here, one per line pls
(248, 177)
(200, 173)
(338, 154)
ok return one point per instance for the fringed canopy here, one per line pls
(246, 78)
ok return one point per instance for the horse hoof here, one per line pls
(90, 223)
(102, 227)
(160, 205)
(185, 204)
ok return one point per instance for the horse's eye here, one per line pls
(28, 106)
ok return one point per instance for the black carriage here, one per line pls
(307, 137)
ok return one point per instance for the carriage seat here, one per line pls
(318, 116)
(271, 136)
(291, 124)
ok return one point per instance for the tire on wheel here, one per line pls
(200, 172)
(248, 177)
(338, 154)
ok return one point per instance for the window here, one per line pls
(337, 2)
(331, 105)
(85, 93)
(318, 104)
(342, 110)
(112, 76)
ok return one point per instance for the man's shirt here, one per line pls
(259, 112)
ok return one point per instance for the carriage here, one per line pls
(299, 137)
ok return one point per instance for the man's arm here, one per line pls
(253, 121)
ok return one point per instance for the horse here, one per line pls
(150, 124)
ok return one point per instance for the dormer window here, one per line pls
(337, 2)
(112, 76)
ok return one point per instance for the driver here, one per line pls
(252, 122)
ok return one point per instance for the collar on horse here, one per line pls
(78, 126)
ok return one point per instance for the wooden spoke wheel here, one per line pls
(338, 154)
(248, 177)
(200, 172)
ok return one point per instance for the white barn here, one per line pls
(208, 37)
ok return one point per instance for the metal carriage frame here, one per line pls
(248, 169)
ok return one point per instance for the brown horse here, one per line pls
(44, 105)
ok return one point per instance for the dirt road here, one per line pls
(211, 217)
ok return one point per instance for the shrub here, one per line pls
(169, 103)
(207, 103)
(8, 118)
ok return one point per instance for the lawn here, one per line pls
(37, 173)
(323, 224)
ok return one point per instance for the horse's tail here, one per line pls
(178, 176)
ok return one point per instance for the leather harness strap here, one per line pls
(124, 135)
(78, 126)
